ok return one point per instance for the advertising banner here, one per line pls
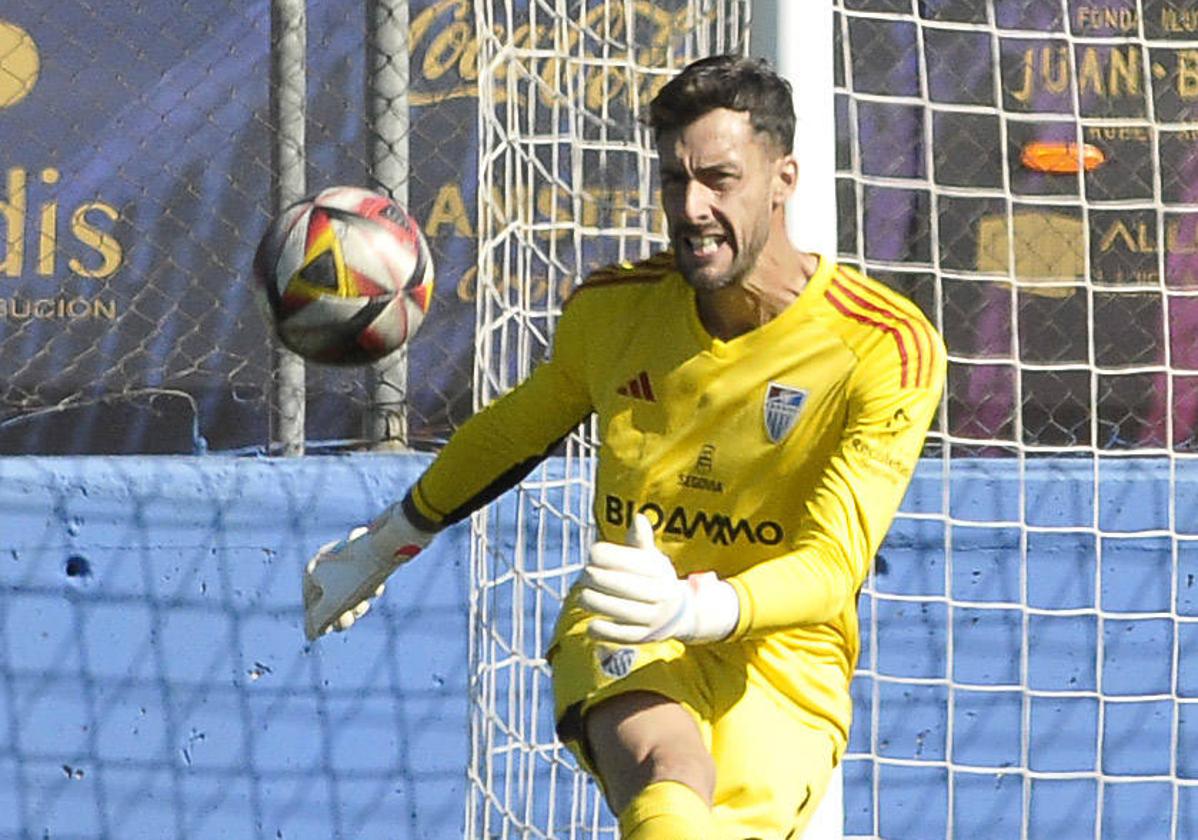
(135, 181)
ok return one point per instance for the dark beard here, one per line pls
(736, 272)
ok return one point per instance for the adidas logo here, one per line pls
(638, 388)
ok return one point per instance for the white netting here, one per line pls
(1024, 668)
(1024, 672)
(566, 185)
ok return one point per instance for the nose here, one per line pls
(696, 204)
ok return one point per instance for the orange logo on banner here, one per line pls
(18, 64)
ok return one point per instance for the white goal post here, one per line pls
(1027, 173)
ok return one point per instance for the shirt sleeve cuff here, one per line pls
(746, 608)
(419, 512)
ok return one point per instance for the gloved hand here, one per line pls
(640, 597)
(341, 579)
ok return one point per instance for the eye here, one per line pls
(720, 180)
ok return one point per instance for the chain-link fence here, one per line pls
(139, 147)
(1067, 299)
(139, 165)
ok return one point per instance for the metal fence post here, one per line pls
(387, 94)
(288, 91)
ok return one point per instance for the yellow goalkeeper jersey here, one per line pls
(776, 459)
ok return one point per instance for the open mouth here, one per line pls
(703, 247)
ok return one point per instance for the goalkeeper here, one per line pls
(761, 411)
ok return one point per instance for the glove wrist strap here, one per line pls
(393, 536)
(716, 608)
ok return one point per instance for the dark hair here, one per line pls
(734, 82)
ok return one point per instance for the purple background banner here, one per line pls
(135, 182)
(162, 128)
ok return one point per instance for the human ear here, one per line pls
(786, 178)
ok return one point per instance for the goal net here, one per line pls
(1027, 172)
(567, 184)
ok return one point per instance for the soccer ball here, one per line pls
(346, 276)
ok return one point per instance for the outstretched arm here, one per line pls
(489, 454)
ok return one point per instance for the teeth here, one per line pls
(703, 245)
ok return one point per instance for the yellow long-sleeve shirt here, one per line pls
(776, 459)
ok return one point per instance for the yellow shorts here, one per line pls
(772, 764)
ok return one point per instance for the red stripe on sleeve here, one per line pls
(886, 328)
(917, 320)
(922, 371)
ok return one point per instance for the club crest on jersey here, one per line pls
(616, 663)
(783, 405)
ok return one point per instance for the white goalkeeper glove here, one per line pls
(341, 579)
(640, 598)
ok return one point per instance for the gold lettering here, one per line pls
(532, 290)
(468, 63)
(48, 228)
(538, 289)
(1117, 132)
(104, 244)
(105, 308)
(442, 41)
(425, 19)
(44, 309)
(597, 19)
(467, 285)
(604, 86)
(554, 206)
(500, 207)
(1089, 72)
(1179, 20)
(448, 209)
(1144, 240)
(13, 211)
(419, 29)
(590, 209)
(447, 47)
(1054, 71)
(523, 35)
(565, 287)
(1099, 17)
(1187, 74)
(1141, 240)
(1055, 74)
(1118, 231)
(1125, 66)
(1025, 91)
(509, 206)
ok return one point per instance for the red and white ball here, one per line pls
(346, 275)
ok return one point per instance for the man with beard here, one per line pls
(761, 411)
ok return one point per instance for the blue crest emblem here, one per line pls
(783, 405)
(617, 663)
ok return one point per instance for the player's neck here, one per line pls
(778, 278)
